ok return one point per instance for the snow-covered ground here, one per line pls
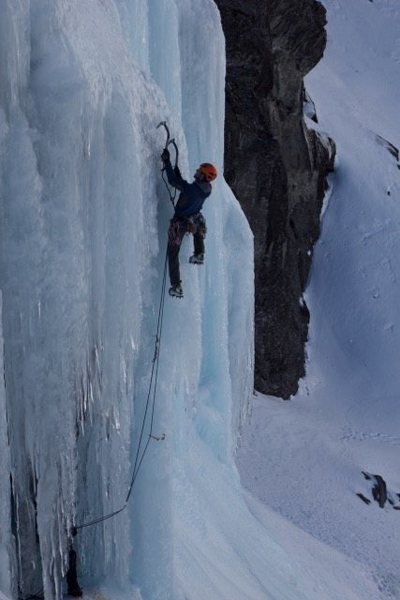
(304, 458)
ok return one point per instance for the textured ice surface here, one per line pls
(84, 216)
(5, 539)
(83, 229)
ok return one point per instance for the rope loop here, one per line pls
(152, 390)
(151, 395)
(149, 407)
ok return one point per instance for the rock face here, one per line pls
(379, 492)
(276, 167)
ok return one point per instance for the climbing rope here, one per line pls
(172, 196)
(152, 390)
(150, 406)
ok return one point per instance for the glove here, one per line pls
(165, 155)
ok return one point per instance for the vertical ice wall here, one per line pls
(207, 362)
(83, 231)
(6, 547)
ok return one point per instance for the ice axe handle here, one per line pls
(173, 143)
(164, 124)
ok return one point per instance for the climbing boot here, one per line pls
(197, 259)
(176, 291)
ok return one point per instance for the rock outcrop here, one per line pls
(277, 168)
(379, 492)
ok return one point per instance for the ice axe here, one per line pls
(170, 141)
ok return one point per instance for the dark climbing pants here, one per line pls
(176, 233)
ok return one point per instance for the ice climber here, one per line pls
(187, 217)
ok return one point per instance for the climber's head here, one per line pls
(206, 172)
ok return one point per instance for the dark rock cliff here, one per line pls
(276, 167)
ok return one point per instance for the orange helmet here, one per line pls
(208, 171)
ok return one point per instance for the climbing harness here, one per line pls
(197, 224)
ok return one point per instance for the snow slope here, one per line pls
(304, 458)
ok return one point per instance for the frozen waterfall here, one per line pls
(84, 217)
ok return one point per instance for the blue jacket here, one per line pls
(192, 196)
